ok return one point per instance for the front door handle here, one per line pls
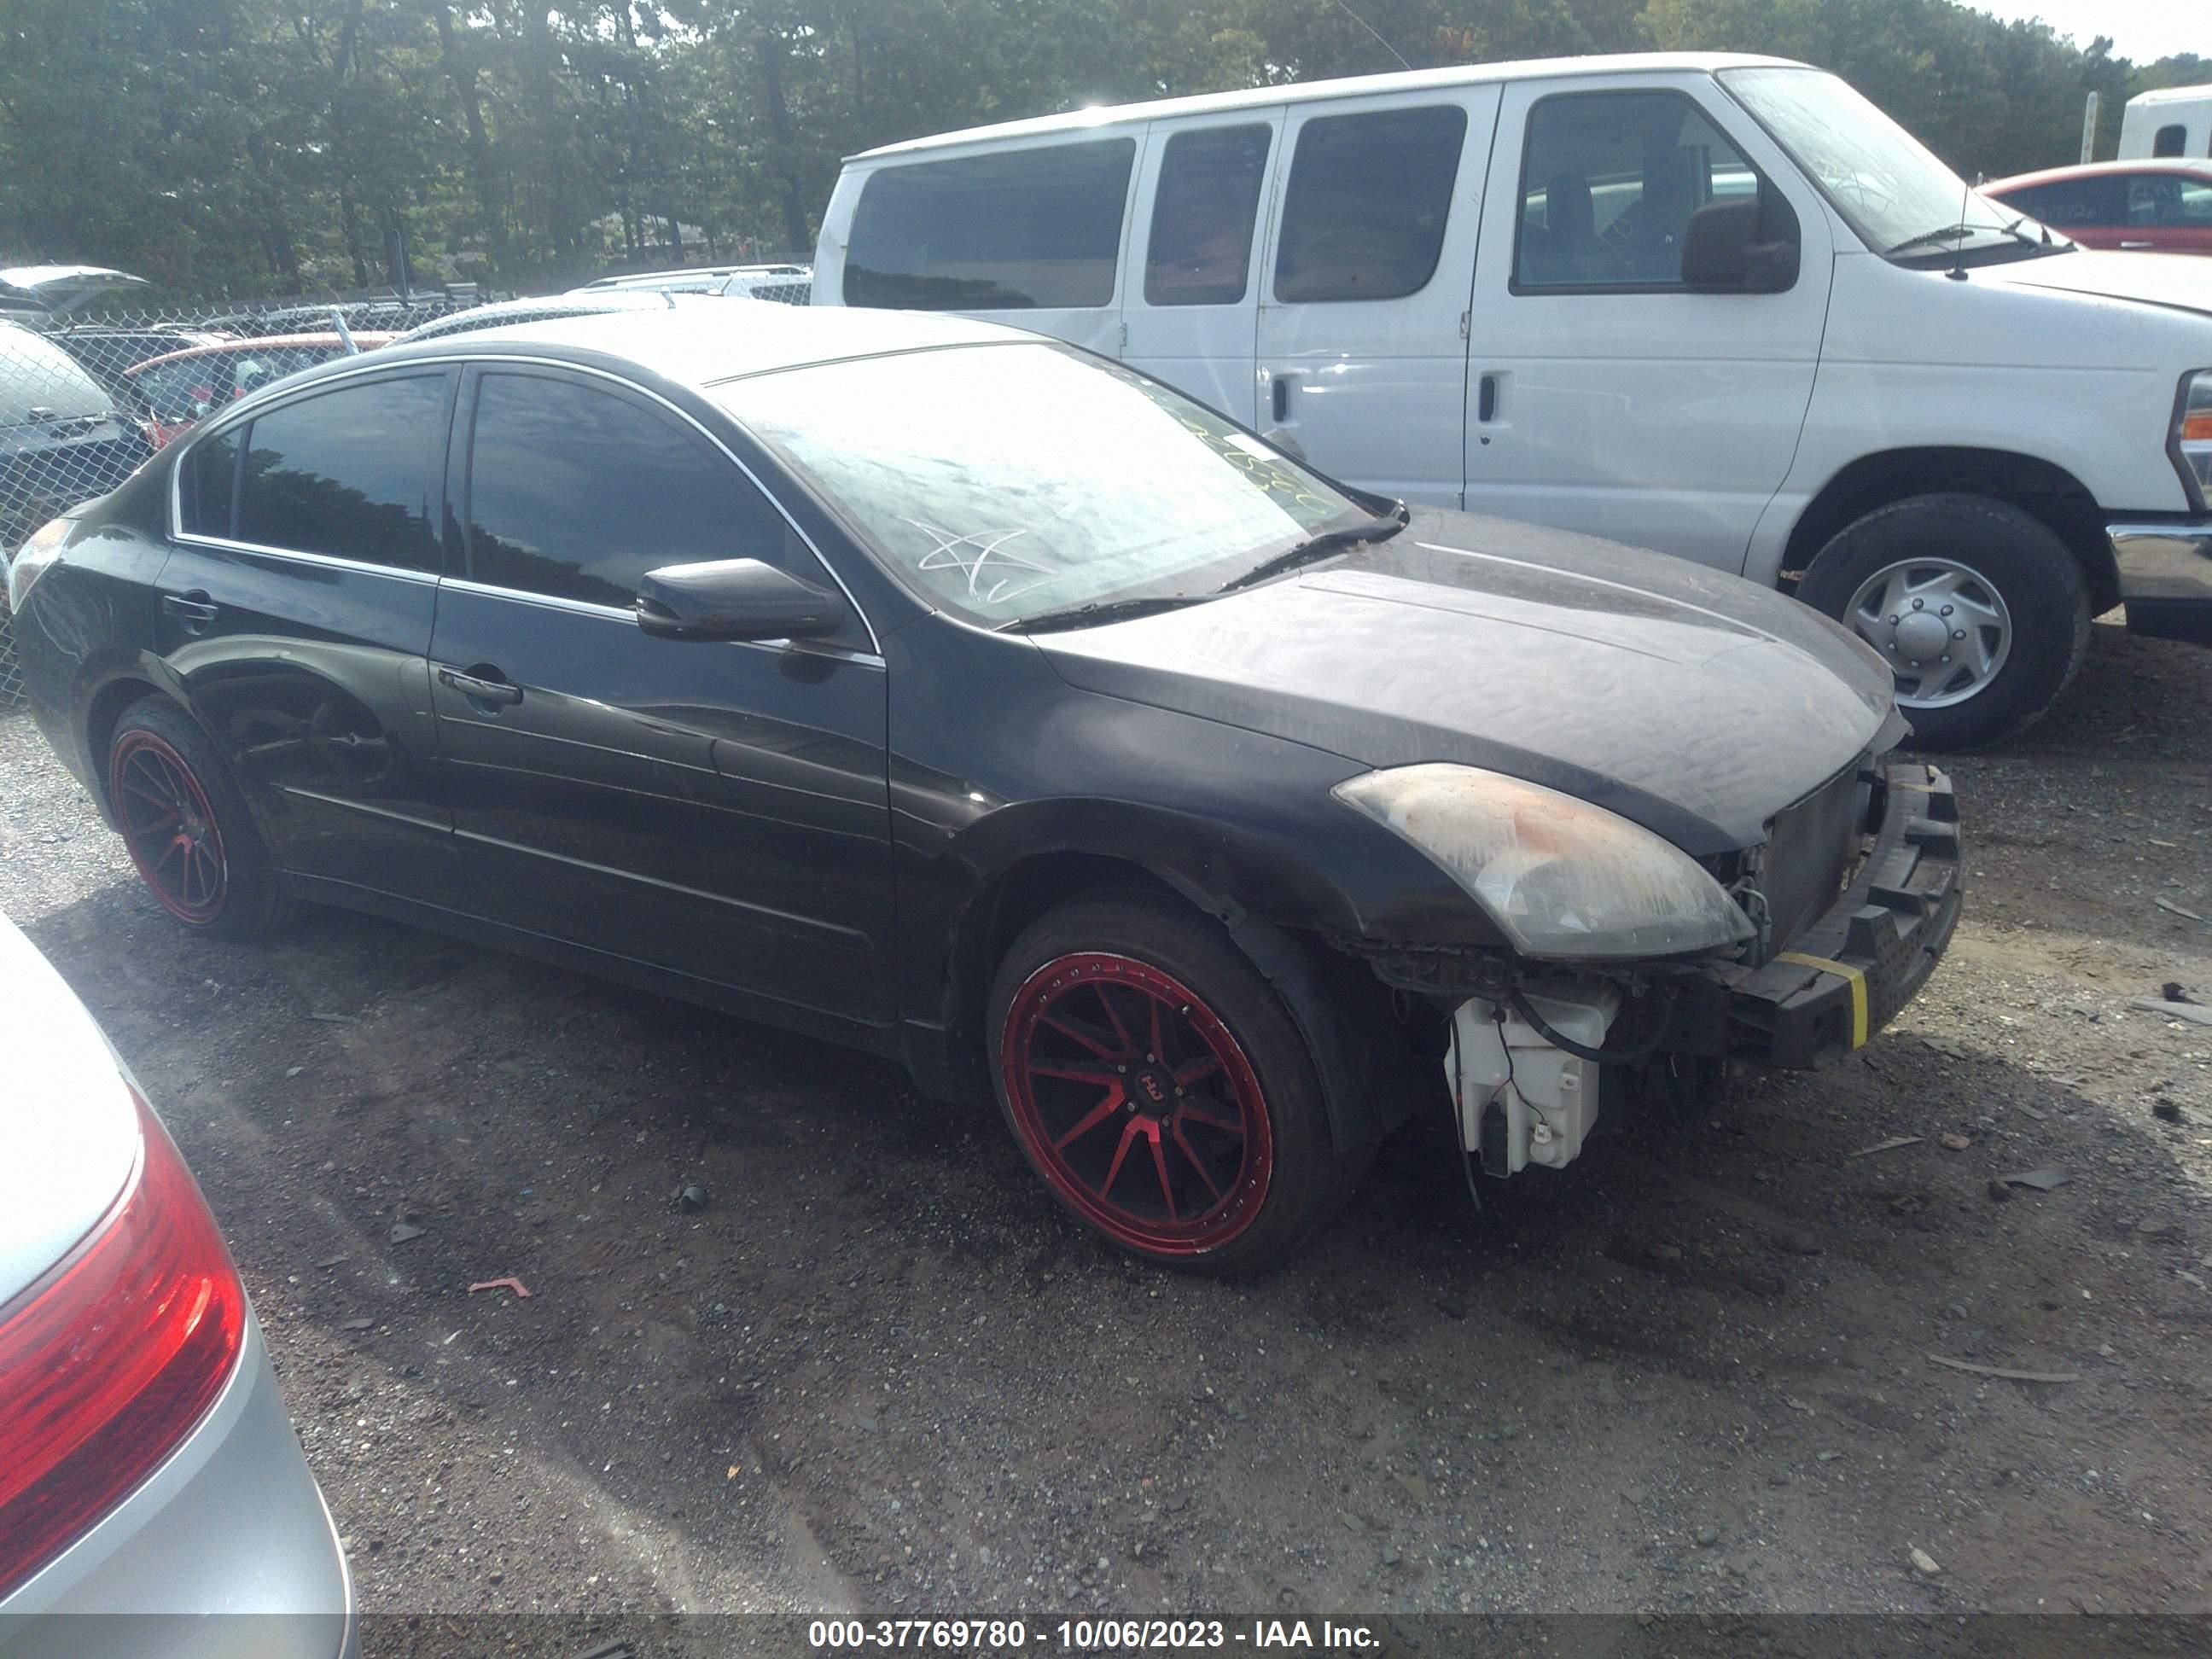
(479, 689)
(1280, 407)
(194, 609)
(1486, 401)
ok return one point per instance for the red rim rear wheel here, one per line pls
(1137, 1104)
(169, 826)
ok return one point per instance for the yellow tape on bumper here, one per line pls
(1855, 977)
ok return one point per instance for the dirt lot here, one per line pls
(878, 1372)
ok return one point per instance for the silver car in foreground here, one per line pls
(153, 1496)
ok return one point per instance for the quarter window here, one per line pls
(209, 487)
(1203, 211)
(1021, 229)
(575, 493)
(1364, 211)
(1608, 182)
(347, 472)
(2169, 140)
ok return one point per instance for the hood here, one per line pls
(2176, 282)
(1692, 702)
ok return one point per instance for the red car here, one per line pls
(2162, 206)
(173, 391)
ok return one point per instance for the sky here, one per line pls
(2145, 30)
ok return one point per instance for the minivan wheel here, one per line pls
(187, 827)
(1157, 1084)
(1979, 610)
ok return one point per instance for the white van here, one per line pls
(1718, 306)
(2171, 121)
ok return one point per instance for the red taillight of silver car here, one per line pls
(112, 1358)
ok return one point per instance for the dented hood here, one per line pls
(1694, 703)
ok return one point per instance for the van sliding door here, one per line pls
(1370, 260)
(1191, 308)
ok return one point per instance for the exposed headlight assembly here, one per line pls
(1564, 880)
(2192, 435)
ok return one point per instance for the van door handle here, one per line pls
(1485, 399)
(479, 689)
(194, 609)
(1282, 396)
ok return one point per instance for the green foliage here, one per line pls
(236, 147)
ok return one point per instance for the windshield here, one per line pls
(1005, 481)
(1883, 180)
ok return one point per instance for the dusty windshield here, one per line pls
(1006, 481)
(1893, 191)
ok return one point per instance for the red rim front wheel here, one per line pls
(1137, 1104)
(169, 826)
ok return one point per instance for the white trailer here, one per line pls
(2171, 121)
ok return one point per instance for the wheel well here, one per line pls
(107, 706)
(2047, 493)
(1009, 902)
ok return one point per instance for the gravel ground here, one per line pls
(878, 1372)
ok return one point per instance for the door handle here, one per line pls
(1281, 393)
(1485, 399)
(479, 689)
(192, 607)
(2135, 245)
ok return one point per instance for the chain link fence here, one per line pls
(85, 397)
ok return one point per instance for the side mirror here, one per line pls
(1729, 247)
(732, 599)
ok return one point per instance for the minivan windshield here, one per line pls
(1005, 481)
(1902, 201)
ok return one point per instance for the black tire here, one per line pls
(1252, 1199)
(2013, 555)
(186, 826)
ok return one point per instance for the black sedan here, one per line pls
(947, 692)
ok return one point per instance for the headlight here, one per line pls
(1564, 880)
(2192, 435)
(32, 558)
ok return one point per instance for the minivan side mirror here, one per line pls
(1723, 252)
(732, 599)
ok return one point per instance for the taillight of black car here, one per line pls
(111, 1358)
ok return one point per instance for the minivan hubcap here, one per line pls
(1943, 629)
(1137, 1104)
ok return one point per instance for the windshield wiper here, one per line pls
(1095, 612)
(1381, 527)
(1958, 233)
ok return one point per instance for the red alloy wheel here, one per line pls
(1137, 1104)
(169, 827)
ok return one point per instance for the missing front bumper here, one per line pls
(1845, 976)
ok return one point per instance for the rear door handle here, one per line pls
(482, 689)
(194, 610)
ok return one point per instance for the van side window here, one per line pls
(2169, 140)
(1608, 182)
(1016, 230)
(1364, 214)
(1203, 211)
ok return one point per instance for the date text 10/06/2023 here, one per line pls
(1089, 1635)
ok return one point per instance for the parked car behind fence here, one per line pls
(70, 429)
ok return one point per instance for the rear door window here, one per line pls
(347, 472)
(1608, 182)
(1204, 208)
(1364, 212)
(1035, 228)
(575, 492)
